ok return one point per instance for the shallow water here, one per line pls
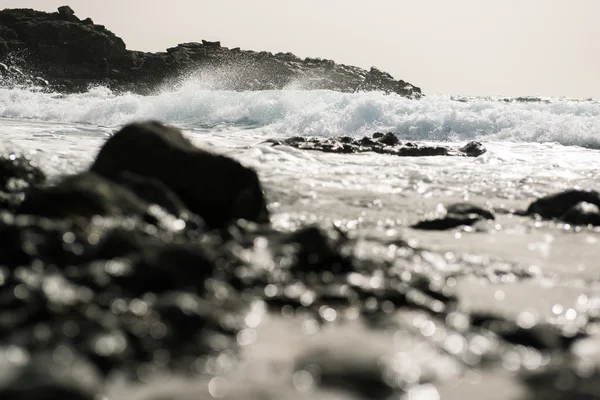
(534, 148)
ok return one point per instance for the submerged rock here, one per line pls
(380, 143)
(217, 188)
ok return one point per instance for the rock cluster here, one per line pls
(72, 54)
(134, 268)
(381, 143)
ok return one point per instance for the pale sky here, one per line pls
(468, 47)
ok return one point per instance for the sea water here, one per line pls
(535, 147)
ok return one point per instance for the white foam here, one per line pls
(322, 113)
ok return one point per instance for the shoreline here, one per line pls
(418, 279)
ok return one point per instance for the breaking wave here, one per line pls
(321, 113)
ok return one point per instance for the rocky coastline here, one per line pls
(134, 269)
(72, 54)
(161, 261)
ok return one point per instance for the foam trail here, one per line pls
(322, 113)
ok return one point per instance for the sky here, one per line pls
(461, 47)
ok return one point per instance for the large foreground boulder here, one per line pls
(217, 188)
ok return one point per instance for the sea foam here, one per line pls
(321, 113)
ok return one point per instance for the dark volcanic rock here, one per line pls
(215, 187)
(458, 214)
(320, 251)
(578, 207)
(85, 195)
(582, 213)
(17, 168)
(72, 54)
(541, 336)
(62, 374)
(379, 143)
(17, 174)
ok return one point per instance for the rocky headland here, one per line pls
(71, 54)
(161, 259)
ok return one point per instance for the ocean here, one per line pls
(535, 147)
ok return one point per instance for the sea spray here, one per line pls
(321, 113)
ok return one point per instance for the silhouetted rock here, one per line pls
(456, 215)
(576, 207)
(17, 172)
(84, 195)
(62, 374)
(582, 213)
(541, 335)
(320, 251)
(379, 143)
(67, 14)
(215, 187)
(74, 54)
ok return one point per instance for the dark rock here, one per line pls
(66, 52)
(458, 214)
(211, 44)
(319, 251)
(473, 149)
(67, 14)
(379, 143)
(15, 168)
(567, 205)
(541, 336)
(582, 213)
(61, 374)
(468, 208)
(379, 80)
(84, 195)
(389, 139)
(347, 368)
(17, 174)
(217, 188)
(152, 191)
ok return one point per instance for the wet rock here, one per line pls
(380, 143)
(84, 195)
(320, 251)
(59, 374)
(347, 368)
(582, 213)
(541, 336)
(17, 175)
(18, 172)
(379, 80)
(217, 188)
(563, 382)
(557, 205)
(152, 191)
(67, 52)
(456, 215)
